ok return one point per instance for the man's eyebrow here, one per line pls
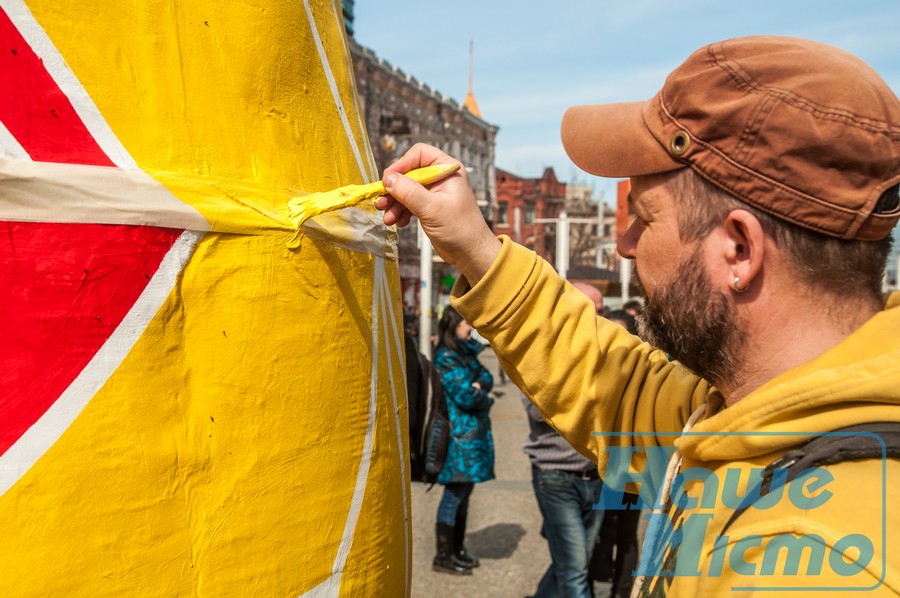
(632, 203)
(637, 205)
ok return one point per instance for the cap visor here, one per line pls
(612, 140)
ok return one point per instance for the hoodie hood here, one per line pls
(856, 381)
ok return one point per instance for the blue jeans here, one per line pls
(571, 526)
(454, 502)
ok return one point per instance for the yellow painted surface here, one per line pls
(223, 455)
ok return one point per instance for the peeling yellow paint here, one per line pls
(305, 207)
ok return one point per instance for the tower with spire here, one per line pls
(470, 104)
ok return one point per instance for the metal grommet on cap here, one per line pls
(679, 143)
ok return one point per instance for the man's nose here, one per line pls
(627, 243)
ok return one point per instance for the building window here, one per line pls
(503, 213)
(529, 214)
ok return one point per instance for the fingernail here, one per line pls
(389, 180)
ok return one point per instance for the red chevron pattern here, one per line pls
(65, 287)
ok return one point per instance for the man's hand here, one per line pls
(447, 212)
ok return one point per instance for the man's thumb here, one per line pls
(405, 190)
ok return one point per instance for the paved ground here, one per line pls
(504, 521)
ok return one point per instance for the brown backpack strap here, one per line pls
(853, 443)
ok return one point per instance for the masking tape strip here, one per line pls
(79, 193)
(355, 229)
(87, 194)
(38, 439)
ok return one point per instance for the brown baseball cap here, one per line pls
(799, 129)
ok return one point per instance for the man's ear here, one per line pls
(744, 249)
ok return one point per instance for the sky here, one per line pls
(534, 59)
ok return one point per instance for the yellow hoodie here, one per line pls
(829, 533)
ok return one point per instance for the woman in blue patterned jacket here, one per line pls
(470, 456)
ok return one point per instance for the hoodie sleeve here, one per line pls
(584, 373)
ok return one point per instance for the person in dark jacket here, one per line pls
(470, 456)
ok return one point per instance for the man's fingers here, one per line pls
(418, 156)
(395, 213)
(383, 203)
(404, 219)
(405, 190)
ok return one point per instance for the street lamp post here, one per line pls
(517, 224)
(625, 278)
(562, 244)
(425, 292)
(562, 238)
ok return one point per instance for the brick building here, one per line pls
(523, 202)
(528, 208)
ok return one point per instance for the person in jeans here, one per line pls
(566, 486)
(470, 454)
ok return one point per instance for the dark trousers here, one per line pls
(455, 502)
(618, 535)
(571, 525)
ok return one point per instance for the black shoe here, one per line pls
(459, 549)
(445, 561)
(468, 559)
(447, 564)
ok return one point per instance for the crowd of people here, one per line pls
(584, 543)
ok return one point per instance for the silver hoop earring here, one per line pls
(736, 285)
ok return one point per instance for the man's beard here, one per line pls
(694, 323)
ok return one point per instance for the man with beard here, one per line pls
(765, 187)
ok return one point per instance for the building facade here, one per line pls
(401, 111)
(524, 205)
(528, 210)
